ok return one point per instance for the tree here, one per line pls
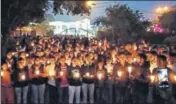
(18, 13)
(125, 23)
(168, 20)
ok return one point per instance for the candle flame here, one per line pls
(37, 72)
(2, 73)
(61, 73)
(152, 78)
(87, 74)
(129, 69)
(23, 77)
(119, 73)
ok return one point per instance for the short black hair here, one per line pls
(162, 57)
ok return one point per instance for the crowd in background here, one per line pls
(63, 69)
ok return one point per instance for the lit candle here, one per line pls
(100, 76)
(129, 70)
(23, 77)
(119, 74)
(99, 44)
(51, 73)
(61, 73)
(48, 62)
(2, 73)
(175, 77)
(27, 55)
(134, 60)
(37, 72)
(152, 78)
(76, 75)
(87, 74)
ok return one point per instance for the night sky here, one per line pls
(146, 7)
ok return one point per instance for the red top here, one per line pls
(64, 81)
(5, 78)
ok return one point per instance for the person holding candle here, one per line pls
(101, 76)
(163, 86)
(63, 83)
(88, 80)
(111, 72)
(7, 92)
(121, 79)
(21, 81)
(50, 69)
(75, 81)
(37, 75)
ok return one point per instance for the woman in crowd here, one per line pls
(21, 81)
(7, 92)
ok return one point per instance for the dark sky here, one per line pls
(146, 7)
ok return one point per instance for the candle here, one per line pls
(175, 77)
(2, 73)
(129, 70)
(61, 73)
(87, 74)
(152, 78)
(23, 77)
(51, 73)
(48, 62)
(99, 44)
(77, 75)
(100, 76)
(119, 73)
(37, 72)
(134, 60)
(27, 55)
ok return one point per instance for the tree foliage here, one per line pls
(125, 23)
(168, 20)
(16, 13)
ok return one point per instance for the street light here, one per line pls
(90, 3)
(162, 10)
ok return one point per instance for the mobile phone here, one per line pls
(163, 78)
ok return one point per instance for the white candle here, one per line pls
(119, 74)
(52, 73)
(77, 75)
(2, 73)
(152, 78)
(61, 73)
(37, 72)
(130, 69)
(134, 60)
(23, 77)
(175, 77)
(100, 76)
(87, 74)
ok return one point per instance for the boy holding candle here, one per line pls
(88, 80)
(63, 84)
(101, 76)
(7, 93)
(110, 80)
(121, 79)
(163, 86)
(75, 81)
(50, 69)
(38, 79)
(21, 81)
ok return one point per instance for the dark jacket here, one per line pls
(72, 81)
(16, 77)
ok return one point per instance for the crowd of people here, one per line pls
(61, 69)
